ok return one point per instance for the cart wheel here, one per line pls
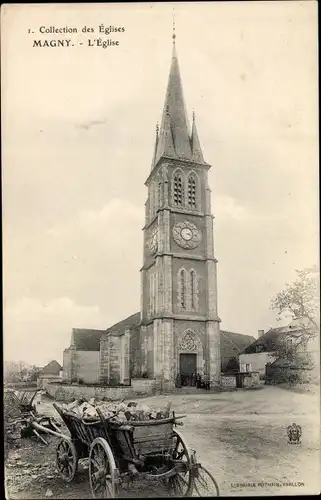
(66, 460)
(182, 483)
(204, 484)
(102, 470)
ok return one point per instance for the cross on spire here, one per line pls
(174, 34)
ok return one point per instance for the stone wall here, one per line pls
(114, 349)
(228, 381)
(104, 360)
(251, 380)
(136, 352)
(64, 392)
(43, 380)
(115, 359)
(67, 365)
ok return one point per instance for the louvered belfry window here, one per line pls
(192, 191)
(178, 190)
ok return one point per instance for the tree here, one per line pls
(19, 372)
(301, 298)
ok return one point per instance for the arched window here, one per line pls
(194, 290)
(193, 277)
(182, 289)
(178, 190)
(191, 191)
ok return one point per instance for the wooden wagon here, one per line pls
(139, 450)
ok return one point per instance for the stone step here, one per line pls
(188, 390)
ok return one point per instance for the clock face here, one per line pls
(187, 235)
(153, 241)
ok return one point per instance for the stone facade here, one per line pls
(179, 290)
(114, 359)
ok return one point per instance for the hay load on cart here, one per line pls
(129, 442)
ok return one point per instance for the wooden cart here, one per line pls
(139, 450)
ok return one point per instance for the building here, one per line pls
(91, 351)
(177, 330)
(295, 344)
(232, 344)
(52, 372)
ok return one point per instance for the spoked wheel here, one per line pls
(66, 460)
(102, 470)
(181, 484)
(204, 484)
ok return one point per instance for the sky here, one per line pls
(78, 131)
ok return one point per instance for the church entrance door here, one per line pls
(188, 368)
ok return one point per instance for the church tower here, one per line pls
(179, 318)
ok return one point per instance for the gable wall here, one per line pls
(86, 366)
(257, 360)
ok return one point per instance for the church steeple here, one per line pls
(179, 284)
(174, 139)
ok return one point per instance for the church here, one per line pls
(177, 331)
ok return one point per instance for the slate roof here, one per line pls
(119, 328)
(265, 343)
(52, 368)
(232, 344)
(85, 339)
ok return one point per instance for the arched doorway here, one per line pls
(190, 361)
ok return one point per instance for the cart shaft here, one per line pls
(49, 431)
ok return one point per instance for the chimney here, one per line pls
(260, 333)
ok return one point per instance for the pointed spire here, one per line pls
(174, 124)
(197, 154)
(173, 138)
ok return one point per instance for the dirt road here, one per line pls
(239, 436)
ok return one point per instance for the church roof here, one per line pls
(119, 328)
(52, 368)
(85, 339)
(173, 138)
(232, 344)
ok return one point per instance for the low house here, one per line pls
(294, 346)
(52, 372)
(231, 346)
(102, 356)
(81, 359)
